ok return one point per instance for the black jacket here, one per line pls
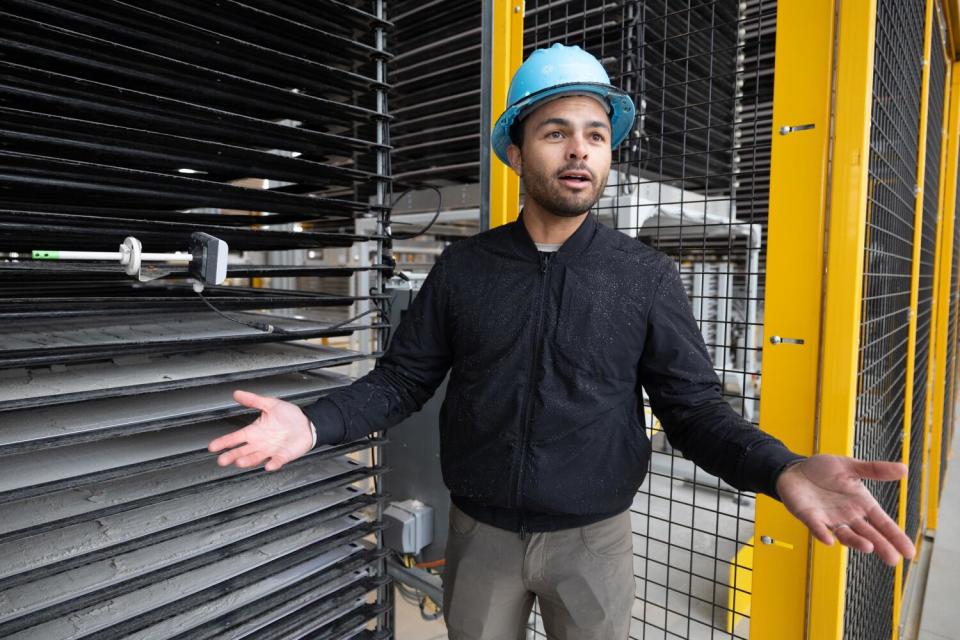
(542, 426)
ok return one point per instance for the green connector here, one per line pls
(44, 254)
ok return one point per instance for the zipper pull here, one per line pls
(544, 262)
(523, 530)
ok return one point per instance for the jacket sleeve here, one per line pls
(685, 394)
(403, 379)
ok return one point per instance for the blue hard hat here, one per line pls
(554, 72)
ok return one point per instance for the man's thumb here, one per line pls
(252, 400)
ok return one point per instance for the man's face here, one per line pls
(565, 158)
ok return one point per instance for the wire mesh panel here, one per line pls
(691, 180)
(886, 289)
(262, 124)
(931, 193)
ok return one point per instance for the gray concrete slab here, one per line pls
(941, 616)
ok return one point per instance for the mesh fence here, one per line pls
(931, 192)
(886, 289)
(691, 181)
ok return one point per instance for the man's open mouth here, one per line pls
(575, 177)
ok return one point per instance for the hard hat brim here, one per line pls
(622, 112)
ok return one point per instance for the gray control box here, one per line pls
(408, 526)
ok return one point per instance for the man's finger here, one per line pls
(850, 538)
(252, 459)
(233, 439)
(889, 530)
(275, 463)
(881, 546)
(252, 400)
(879, 469)
(820, 531)
(229, 457)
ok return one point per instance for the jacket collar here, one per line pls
(572, 247)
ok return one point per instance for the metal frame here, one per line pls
(941, 338)
(507, 54)
(825, 395)
(844, 285)
(911, 362)
(795, 236)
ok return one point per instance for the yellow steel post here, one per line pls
(846, 229)
(941, 346)
(507, 56)
(951, 14)
(792, 307)
(937, 326)
(908, 425)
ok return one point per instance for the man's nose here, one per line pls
(577, 148)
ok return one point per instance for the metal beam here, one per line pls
(911, 360)
(846, 234)
(941, 336)
(797, 222)
(507, 55)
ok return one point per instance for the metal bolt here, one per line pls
(766, 539)
(785, 129)
(775, 339)
(516, 8)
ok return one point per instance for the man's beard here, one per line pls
(566, 205)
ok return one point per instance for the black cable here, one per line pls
(436, 215)
(253, 324)
(269, 328)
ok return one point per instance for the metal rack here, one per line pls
(263, 124)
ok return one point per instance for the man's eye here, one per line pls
(555, 135)
(598, 137)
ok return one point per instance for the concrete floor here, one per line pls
(411, 626)
(940, 619)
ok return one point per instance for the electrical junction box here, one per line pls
(408, 526)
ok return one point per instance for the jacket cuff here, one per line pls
(328, 421)
(767, 462)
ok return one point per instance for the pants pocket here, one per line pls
(610, 538)
(461, 524)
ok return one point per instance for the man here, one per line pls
(550, 326)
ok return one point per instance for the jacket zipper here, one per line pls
(525, 426)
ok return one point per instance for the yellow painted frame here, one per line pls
(846, 229)
(951, 15)
(911, 363)
(943, 212)
(792, 307)
(507, 57)
(942, 379)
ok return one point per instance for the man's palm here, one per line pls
(280, 435)
(827, 494)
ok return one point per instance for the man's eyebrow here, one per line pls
(560, 122)
(563, 122)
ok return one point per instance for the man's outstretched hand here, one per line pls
(826, 494)
(280, 435)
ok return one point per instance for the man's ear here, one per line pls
(516, 160)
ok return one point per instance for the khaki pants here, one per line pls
(583, 579)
